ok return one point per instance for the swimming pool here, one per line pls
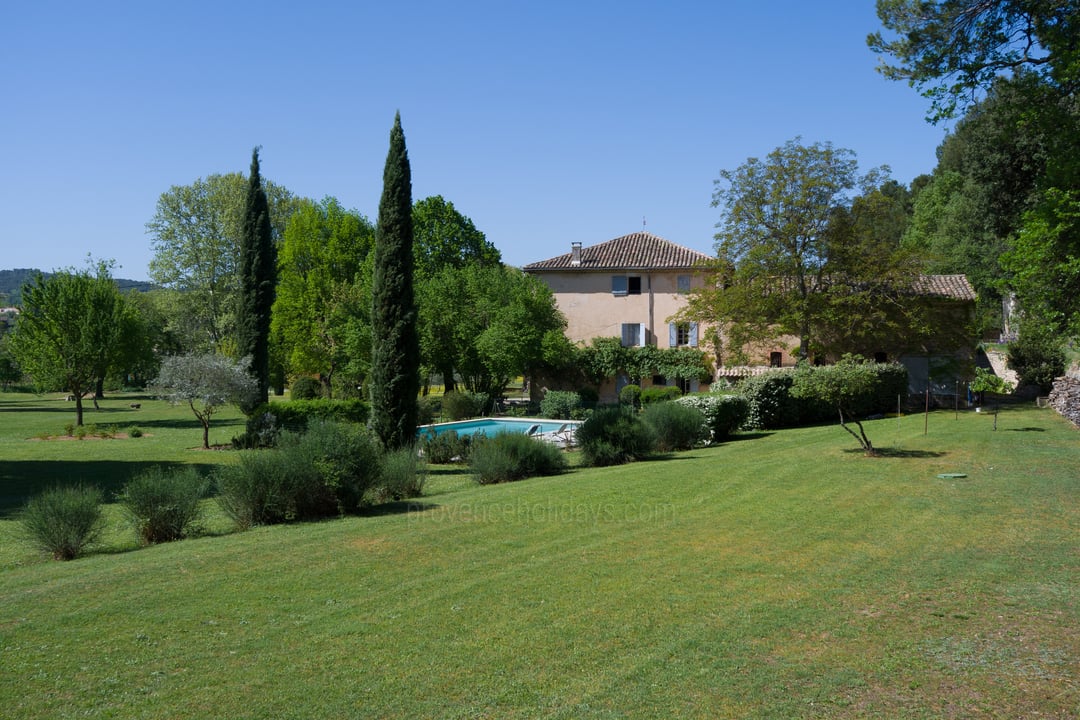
(494, 426)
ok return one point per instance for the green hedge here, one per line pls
(724, 414)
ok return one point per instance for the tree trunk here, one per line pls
(78, 408)
(206, 435)
(99, 390)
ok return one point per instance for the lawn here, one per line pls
(780, 575)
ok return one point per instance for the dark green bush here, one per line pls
(63, 521)
(612, 436)
(163, 504)
(630, 395)
(723, 414)
(464, 405)
(446, 447)
(559, 404)
(513, 456)
(1038, 356)
(769, 401)
(427, 409)
(659, 393)
(305, 388)
(261, 430)
(323, 472)
(674, 425)
(296, 414)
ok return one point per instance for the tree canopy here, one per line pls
(206, 382)
(71, 331)
(951, 49)
(258, 279)
(797, 257)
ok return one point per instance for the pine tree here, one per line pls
(395, 352)
(258, 278)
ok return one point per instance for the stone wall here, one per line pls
(1065, 398)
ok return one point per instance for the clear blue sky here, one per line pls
(545, 123)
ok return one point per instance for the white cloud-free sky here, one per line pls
(545, 123)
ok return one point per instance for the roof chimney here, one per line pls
(575, 254)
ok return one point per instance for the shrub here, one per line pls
(427, 409)
(305, 388)
(261, 431)
(612, 436)
(723, 414)
(559, 404)
(464, 405)
(64, 521)
(323, 472)
(630, 395)
(513, 456)
(1037, 355)
(659, 393)
(134, 432)
(446, 447)
(163, 504)
(403, 476)
(675, 426)
(769, 401)
(296, 414)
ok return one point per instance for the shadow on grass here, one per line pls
(187, 424)
(400, 507)
(753, 435)
(888, 452)
(22, 479)
(1025, 429)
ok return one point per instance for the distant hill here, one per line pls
(11, 282)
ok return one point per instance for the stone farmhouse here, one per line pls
(629, 287)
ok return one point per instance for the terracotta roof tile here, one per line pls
(636, 251)
(955, 287)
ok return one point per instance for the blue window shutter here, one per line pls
(693, 334)
(618, 284)
(642, 337)
(673, 334)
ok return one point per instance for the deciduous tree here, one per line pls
(206, 382)
(69, 331)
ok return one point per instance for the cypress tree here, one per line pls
(395, 351)
(258, 277)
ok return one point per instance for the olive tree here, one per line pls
(206, 382)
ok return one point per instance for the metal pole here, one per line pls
(926, 413)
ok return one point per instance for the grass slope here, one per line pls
(779, 575)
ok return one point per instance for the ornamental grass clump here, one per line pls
(403, 475)
(163, 503)
(512, 456)
(64, 521)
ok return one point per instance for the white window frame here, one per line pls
(640, 333)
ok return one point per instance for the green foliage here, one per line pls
(560, 404)
(134, 432)
(723, 414)
(63, 521)
(205, 383)
(513, 456)
(196, 236)
(321, 319)
(659, 394)
(163, 503)
(403, 475)
(674, 425)
(427, 409)
(258, 279)
(446, 447)
(305, 388)
(395, 354)
(785, 267)
(950, 49)
(1037, 355)
(986, 381)
(853, 388)
(464, 405)
(605, 357)
(443, 237)
(770, 403)
(630, 395)
(70, 332)
(613, 436)
(323, 472)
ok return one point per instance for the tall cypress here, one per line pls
(395, 351)
(258, 277)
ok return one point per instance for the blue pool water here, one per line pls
(494, 426)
